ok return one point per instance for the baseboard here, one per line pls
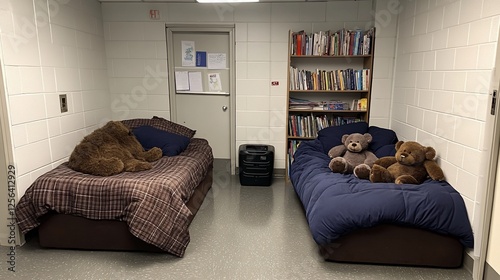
(468, 263)
(490, 273)
(279, 173)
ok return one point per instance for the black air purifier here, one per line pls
(256, 165)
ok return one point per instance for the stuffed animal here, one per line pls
(110, 150)
(412, 164)
(352, 156)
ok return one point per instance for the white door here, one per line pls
(201, 106)
(209, 116)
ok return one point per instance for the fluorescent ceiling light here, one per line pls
(226, 1)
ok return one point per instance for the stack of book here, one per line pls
(303, 104)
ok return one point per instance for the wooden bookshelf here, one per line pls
(329, 82)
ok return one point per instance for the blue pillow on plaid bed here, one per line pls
(171, 144)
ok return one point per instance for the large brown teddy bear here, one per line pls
(412, 164)
(352, 157)
(110, 150)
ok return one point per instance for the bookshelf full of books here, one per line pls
(329, 82)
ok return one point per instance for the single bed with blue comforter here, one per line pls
(355, 220)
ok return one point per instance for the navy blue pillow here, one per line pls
(171, 144)
(332, 136)
(381, 137)
(386, 151)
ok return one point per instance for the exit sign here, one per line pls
(275, 83)
(154, 14)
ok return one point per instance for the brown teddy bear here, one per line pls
(110, 150)
(352, 156)
(412, 164)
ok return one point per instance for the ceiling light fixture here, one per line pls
(227, 1)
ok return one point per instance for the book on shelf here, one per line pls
(340, 42)
(359, 104)
(307, 126)
(363, 104)
(341, 79)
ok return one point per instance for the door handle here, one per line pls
(224, 108)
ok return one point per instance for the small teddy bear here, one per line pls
(412, 164)
(352, 156)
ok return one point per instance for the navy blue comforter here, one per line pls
(336, 204)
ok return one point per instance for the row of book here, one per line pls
(340, 42)
(309, 125)
(347, 79)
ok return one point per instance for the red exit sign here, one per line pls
(275, 83)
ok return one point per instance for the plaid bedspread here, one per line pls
(152, 202)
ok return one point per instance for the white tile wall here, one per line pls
(457, 70)
(136, 59)
(52, 55)
(440, 50)
(443, 101)
(425, 42)
(249, 13)
(440, 39)
(435, 19)
(311, 12)
(451, 14)
(283, 12)
(258, 51)
(470, 10)
(455, 81)
(466, 58)
(43, 158)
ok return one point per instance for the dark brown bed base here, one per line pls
(396, 245)
(72, 232)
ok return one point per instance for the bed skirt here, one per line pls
(72, 232)
(396, 245)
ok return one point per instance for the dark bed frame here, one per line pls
(71, 232)
(384, 244)
(396, 245)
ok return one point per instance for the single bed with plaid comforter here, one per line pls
(151, 202)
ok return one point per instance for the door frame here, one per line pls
(492, 150)
(171, 28)
(7, 159)
(488, 195)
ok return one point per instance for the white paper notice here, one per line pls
(216, 61)
(195, 82)
(214, 83)
(188, 53)
(181, 80)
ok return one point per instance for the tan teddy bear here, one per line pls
(110, 150)
(352, 157)
(412, 164)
